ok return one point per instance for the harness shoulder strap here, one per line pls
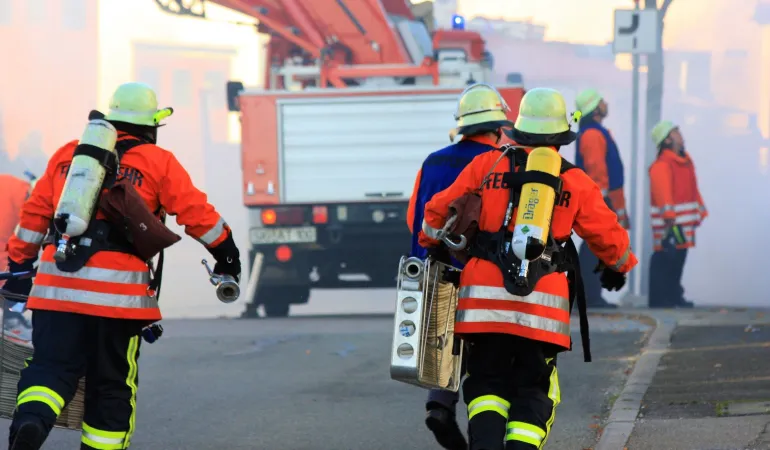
(515, 180)
(577, 294)
(566, 166)
(121, 148)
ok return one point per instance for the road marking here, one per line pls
(622, 419)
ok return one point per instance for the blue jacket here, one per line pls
(439, 170)
(614, 165)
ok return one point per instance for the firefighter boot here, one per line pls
(443, 423)
(29, 434)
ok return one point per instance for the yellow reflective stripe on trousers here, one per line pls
(429, 230)
(28, 236)
(41, 394)
(525, 432)
(213, 234)
(554, 393)
(133, 371)
(103, 440)
(488, 403)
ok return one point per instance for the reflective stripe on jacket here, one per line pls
(485, 306)
(111, 284)
(675, 199)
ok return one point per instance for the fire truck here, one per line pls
(357, 94)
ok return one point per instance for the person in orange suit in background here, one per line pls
(14, 192)
(597, 154)
(677, 210)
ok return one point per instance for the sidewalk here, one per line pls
(710, 388)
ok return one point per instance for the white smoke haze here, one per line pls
(66, 63)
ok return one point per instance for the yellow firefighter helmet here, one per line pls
(661, 131)
(543, 112)
(480, 108)
(587, 101)
(136, 103)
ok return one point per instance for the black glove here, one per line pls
(611, 280)
(20, 286)
(440, 253)
(228, 258)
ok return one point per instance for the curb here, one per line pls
(622, 418)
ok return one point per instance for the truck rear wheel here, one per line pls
(277, 299)
(277, 309)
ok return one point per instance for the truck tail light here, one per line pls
(320, 214)
(283, 253)
(269, 217)
(283, 216)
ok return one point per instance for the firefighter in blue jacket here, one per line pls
(597, 154)
(481, 115)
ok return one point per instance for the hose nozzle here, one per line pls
(228, 290)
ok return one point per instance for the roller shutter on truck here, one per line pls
(358, 148)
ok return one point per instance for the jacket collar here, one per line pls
(672, 155)
(481, 140)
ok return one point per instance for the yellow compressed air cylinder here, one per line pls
(84, 180)
(533, 218)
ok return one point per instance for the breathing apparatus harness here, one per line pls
(101, 235)
(559, 255)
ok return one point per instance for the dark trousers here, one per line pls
(666, 269)
(512, 391)
(68, 346)
(591, 281)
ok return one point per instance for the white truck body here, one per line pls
(358, 148)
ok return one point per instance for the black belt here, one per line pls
(102, 234)
(485, 246)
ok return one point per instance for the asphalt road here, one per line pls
(323, 384)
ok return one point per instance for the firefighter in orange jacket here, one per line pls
(88, 321)
(597, 154)
(677, 209)
(513, 335)
(14, 192)
(481, 115)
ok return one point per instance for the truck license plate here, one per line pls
(283, 235)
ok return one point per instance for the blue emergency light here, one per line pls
(458, 22)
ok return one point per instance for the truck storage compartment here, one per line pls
(358, 148)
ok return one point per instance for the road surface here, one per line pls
(309, 383)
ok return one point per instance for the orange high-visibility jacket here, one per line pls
(112, 284)
(13, 193)
(675, 198)
(484, 305)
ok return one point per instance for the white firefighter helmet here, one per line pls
(661, 131)
(136, 103)
(480, 104)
